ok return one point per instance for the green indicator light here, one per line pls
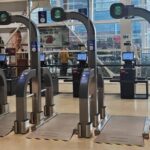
(3, 17)
(118, 10)
(57, 14)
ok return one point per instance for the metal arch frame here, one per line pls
(36, 115)
(35, 59)
(141, 12)
(85, 124)
(23, 80)
(93, 114)
(90, 35)
(3, 93)
(22, 123)
(49, 101)
(91, 47)
(137, 11)
(131, 11)
(87, 116)
(86, 111)
(100, 90)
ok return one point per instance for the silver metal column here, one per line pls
(22, 123)
(100, 90)
(85, 124)
(35, 64)
(3, 94)
(92, 54)
(49, 101)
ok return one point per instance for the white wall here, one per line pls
(13, 5)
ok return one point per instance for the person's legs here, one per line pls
(62, 69)
(65, 69)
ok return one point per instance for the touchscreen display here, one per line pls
(81, 57)
(128, 56)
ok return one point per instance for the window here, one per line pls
(101, 9)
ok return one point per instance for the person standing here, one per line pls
(64, 57)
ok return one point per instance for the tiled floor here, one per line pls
(66, 103)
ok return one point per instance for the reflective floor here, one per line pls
(66, 103)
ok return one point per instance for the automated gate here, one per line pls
(126, 129)
(118, 11)
(91, 107)
(22, 122)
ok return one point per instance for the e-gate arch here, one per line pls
(36, 115)
(118, 11)
(21, 123)
(91, 113)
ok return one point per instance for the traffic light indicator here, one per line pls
(58, 14)
(4, 18)
(117, 10)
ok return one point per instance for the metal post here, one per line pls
(4, 108)
(35, 64)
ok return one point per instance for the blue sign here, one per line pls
(42, 16)
(91, 45)
(85, 77)
(34, 46)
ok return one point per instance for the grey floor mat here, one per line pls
(59, 128)
(7, 123)
(126, 130)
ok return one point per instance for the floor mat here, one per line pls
(126, 130)
(7, 123)
(59, 128)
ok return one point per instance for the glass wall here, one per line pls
(136, 2)
(107, 29)
(136, 33)
(101, 9)
(70, 5)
